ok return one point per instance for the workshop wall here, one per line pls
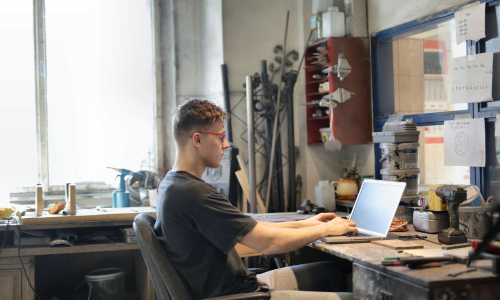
(251, 30)
(384, 14)
(191, 53)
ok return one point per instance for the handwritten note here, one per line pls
(469, 23)
(471, 80)
(464, 143)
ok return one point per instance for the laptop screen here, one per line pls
(376, 205)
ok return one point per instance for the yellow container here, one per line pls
(434, 200)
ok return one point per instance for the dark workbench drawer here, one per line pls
(374, 285)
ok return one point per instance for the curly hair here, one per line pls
(195, 115)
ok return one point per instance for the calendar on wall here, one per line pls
(436, 93)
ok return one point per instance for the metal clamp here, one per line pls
(339, 96)
(342, 68)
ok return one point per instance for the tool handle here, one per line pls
(492, 249)
(424, 260)
(453, 211)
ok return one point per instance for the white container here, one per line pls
(333, 23)
(399, 156)
(325, 134)
(410, 176)
(325, 195)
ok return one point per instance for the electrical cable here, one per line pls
(20, 258)
(73, 293)
(6, 232)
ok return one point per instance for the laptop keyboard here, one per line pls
(350, 234)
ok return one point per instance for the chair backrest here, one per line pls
(166, 280)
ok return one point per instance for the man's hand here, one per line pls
(339, 226)
(319, 219)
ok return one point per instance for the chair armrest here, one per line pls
(257, 270)
(245, 296)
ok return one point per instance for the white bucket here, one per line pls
(410, 176)
(399, 156)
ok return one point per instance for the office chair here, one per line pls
(167, 282)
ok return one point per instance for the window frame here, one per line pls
(478, 175)
(43, 142)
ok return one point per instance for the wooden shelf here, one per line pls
(318, 81)
(352, 120)
(319, 118)
(10, 251)
(317, 94)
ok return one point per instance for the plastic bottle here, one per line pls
(332, 23)
(325, 195)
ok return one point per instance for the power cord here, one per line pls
(19, 254)
(6, 232)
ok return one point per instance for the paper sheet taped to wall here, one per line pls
(469, 23)
(464, 143)
(471, 80)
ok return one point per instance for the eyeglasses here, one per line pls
(222, 135)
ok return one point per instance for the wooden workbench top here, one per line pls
(89, 215)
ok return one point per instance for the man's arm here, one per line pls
(274, 240)
(313, 221)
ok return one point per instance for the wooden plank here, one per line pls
(244, 251)
(89, 215)
(246, 190)
(460, 252)
(243, 168)
(398, 245)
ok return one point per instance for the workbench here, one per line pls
(371, 280)
(63, 268)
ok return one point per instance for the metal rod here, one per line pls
(251, 146)
(283, 64)
(225, 87)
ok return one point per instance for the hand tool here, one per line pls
(121, 197)
(425, 260)
(461, 272)
(454, 195)
(455, 246)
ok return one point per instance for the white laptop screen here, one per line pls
(376, 205)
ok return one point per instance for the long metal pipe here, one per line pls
(251, 146)
(225, 87)
(283, 64)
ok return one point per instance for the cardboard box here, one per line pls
(315, 20)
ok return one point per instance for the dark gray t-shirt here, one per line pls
(199, 228)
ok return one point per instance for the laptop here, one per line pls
(373, 211)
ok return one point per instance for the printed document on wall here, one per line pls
(471, 80)
(469, 23)
(464, 143)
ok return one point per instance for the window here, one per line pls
(411, 74)
(18, 149)
(92, 83)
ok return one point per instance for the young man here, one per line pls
(199, 228)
